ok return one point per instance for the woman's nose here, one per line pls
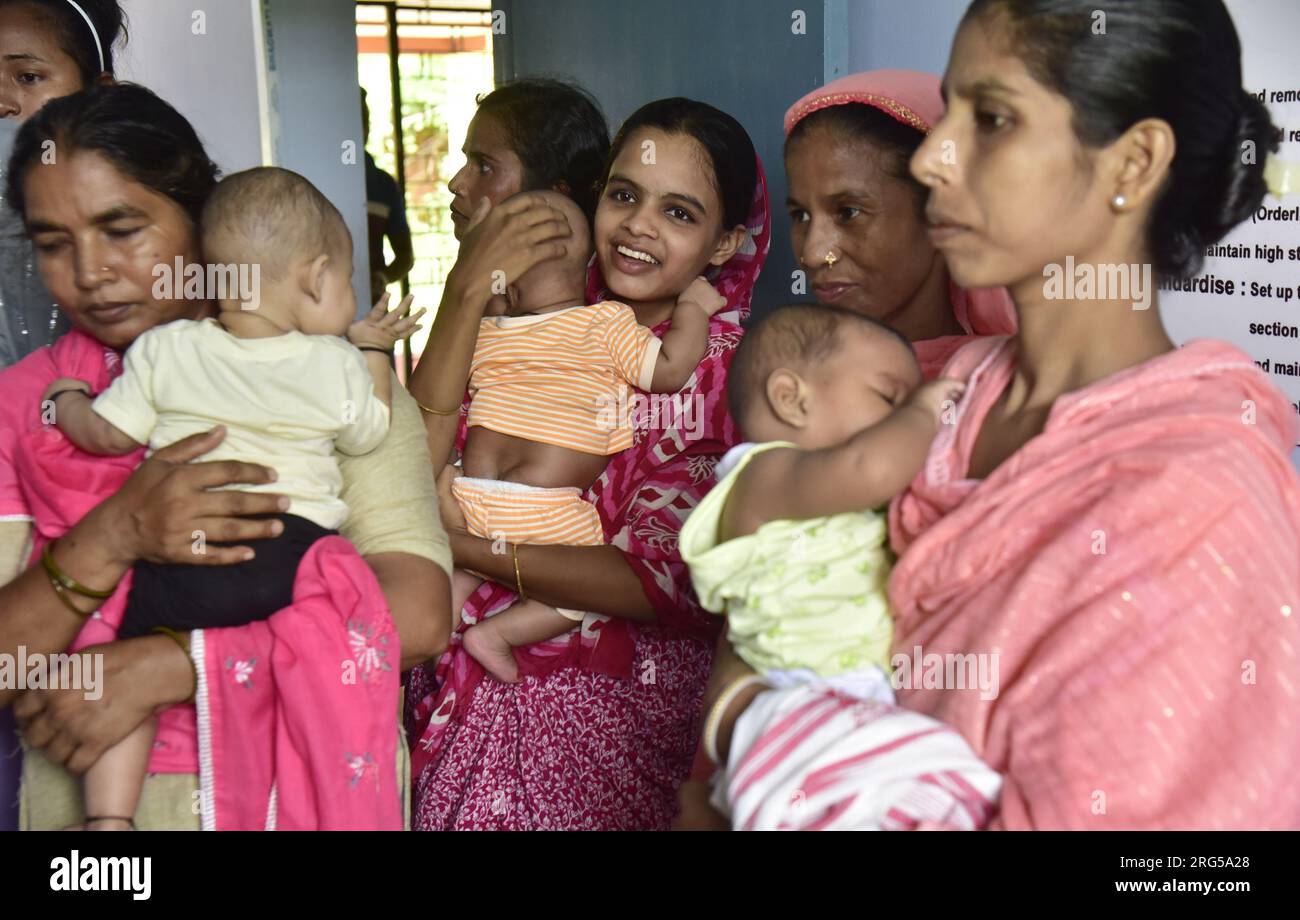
(935, 161)
(9, 107)
(818, 240)
(457, 184)
(640, 223)
(91, 266)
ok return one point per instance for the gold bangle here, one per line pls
(184, 642)
(519, 581)
(425, 408)
(59, 577)
(62, 594)
(719, 710)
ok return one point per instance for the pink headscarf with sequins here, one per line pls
(912, 98)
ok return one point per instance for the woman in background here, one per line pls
(600, 731)
(859, 229)
(48, 49)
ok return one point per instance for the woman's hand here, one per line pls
(173, 511)
(502, 243)
(140, 677)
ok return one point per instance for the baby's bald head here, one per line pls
(273, 217)
(541, 285)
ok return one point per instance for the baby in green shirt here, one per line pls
(792, 543)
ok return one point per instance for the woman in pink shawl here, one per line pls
(601, 730)
(859, 225)
(124, 196)
(1111, 527)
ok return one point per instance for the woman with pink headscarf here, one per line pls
(859, 218)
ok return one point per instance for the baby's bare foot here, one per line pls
(490, 649)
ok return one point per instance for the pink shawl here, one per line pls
(643, 498)
(913, 98)
(262, 687)
(1135, 570)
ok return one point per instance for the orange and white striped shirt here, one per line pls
(555, 377)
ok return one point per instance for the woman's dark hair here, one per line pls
(557, 131)
(140, 134)
(731, 152)
(1177, 60)
(74, 34)
(858, 121)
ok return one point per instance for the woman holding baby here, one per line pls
(125, 195)
(1110, 519)
(599, 728)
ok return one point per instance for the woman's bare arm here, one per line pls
(419, 599)
(595, 578)
(865, 472)
(153, 516)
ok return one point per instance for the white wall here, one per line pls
(210, 77)
(316, 108)
(264, 82)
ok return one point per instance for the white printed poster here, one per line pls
(1248, 293)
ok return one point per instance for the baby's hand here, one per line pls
(703, 295)
(938, 395)
(382, 329)
(65, 383)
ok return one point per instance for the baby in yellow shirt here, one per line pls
(791, 545)
(542, 378)
(287, 387)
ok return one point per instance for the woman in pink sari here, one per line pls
(124, 196)
(1111, 526)
(601, 730)
(859, 224)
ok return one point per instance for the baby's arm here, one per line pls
(864, 472)
(77, 419)
(377, 334)
(685, 344)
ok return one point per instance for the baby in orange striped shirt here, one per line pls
(541, 380)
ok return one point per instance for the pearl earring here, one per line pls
(1119, 201)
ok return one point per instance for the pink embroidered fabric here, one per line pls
(266, 757)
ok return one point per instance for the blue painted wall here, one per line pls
(739, 55)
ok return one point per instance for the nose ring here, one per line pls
(831, 260)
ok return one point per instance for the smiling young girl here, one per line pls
(685, 197)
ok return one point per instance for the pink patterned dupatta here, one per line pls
(643, 498)
(912, 98)
(1134, 570)
(254, 736)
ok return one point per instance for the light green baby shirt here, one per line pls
(797, 594)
